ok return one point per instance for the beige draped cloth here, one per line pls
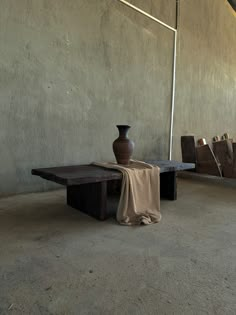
(140, 193)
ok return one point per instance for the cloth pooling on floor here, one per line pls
(140, 192)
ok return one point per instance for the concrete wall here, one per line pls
(206, 71)
(73, 69)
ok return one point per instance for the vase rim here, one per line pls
(127, 126)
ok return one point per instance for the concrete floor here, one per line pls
(55, 260)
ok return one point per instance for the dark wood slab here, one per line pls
(171, 166)
(234, 159)
(89, 198)
(223, 151)
(206, 161)
(188, 149)
(77, 174)
(85, 174)
(168, 186)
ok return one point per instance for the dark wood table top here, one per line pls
(84, 174)
(171, 166)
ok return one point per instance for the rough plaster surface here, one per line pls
(206, 71)
(71, 70)
(55, 260)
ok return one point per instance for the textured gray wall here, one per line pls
(206, 71)
(73, 69)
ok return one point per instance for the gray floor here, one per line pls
(55, 260)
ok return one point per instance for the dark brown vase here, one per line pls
(122, 146)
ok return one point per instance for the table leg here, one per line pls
(168, 185)
(89, 198)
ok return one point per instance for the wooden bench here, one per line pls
(87, 185)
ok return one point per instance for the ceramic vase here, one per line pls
(123, 147)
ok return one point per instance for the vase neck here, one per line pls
(123, 131)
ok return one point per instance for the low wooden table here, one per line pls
(87, 184)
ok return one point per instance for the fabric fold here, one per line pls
(140, 192)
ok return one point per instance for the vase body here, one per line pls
(123, 147)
